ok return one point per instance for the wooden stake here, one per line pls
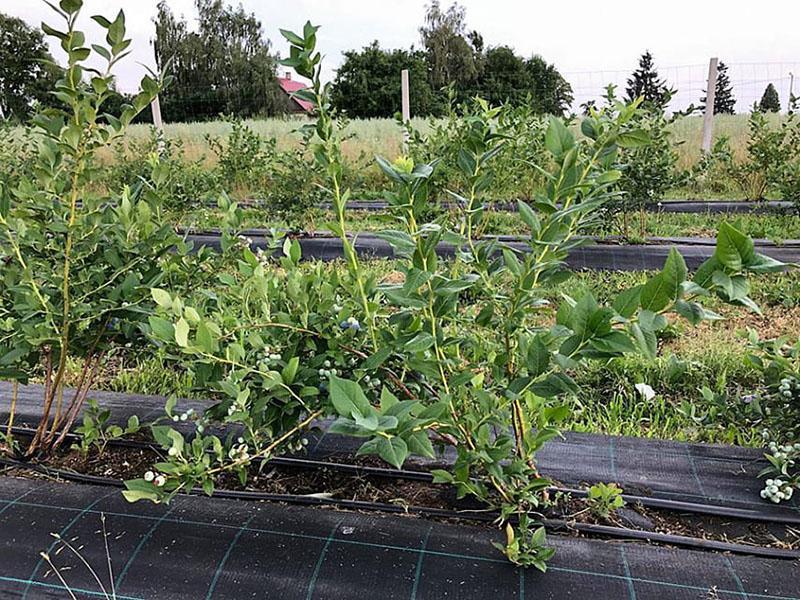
(711, 93)
(155, 107)
(405, 104)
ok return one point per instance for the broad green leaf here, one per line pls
(734, 249)
(420, 445)
(633, 139)
(627, 302)
(420, 342)
(161, 328)
(538, 357)
(558, 139)
(348, 398)
(182, 333)
(393, 450)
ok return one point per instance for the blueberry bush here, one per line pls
(443, 353)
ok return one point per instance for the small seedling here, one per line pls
(604, 499)
(96, 432)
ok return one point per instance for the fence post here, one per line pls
(405, 105)
(711, 93)
(155, 108)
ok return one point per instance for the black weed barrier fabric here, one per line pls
(706, 474)
(210, 548)
(666, 206)
(594, 256)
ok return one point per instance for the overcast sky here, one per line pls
(591, 42)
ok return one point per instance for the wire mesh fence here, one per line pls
(748, 82)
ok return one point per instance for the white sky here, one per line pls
(591, 42)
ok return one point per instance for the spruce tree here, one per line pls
(724, 102)
(644, 82)
(770, 102)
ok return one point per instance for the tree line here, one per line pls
(226, 65)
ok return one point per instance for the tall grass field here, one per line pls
(384, 137)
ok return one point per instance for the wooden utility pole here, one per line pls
(711, 93)
(405, 105)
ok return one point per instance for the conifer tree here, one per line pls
(770, 102)
(644, 82)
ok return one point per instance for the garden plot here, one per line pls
(415, 408)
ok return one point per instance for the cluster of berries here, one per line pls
(239, 451)
(157, 480)
(777, 490)
(351, 323)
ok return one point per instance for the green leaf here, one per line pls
(538, 357)
(615, 343)
(420, 444)
(735, 250)
(645, 339)
(293, 38)
(205, 339)
(633, 139)
(161, 328)
(766, 264)
(161, 297)
(290, 370)
(627, 302)
(441, 476)
(393, 450)
(345, 426)
(419, 343)
(665, 288)
(694, 312)
(554, 385)
(70, 6)
(388, 399)
(348, 398)
(136, 495)
(558, 139)
(402, 243)
(182, 333)
(528, 216)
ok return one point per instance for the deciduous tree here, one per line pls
(367, 85)
(225, 66)
(452, 53)
(28, 72)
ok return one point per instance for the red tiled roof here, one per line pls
(290, 86)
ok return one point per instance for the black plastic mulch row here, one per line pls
(667, 206)
(596, 257)
(211, 548)
(707, 474)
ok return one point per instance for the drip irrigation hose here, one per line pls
(744, 514)
(555, 525)
(608, 240)
(669, 206)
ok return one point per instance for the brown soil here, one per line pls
(332, 483)
(775, 322)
